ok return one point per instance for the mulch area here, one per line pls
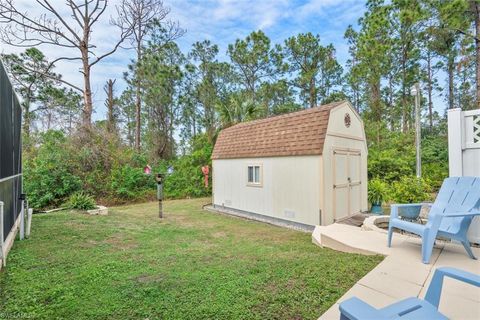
(355, 220)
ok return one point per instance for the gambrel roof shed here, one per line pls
(292, 134)
(301, 169)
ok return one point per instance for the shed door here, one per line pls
(346, 183)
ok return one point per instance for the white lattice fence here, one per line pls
(476, 128)
(472, 129)
(464, 151)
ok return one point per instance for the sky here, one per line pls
(220, 21)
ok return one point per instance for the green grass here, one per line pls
(192, 265)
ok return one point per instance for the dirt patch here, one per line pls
(119, 242)
(89, 244)
(219, 234)
(149, 278)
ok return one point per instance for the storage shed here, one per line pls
(302, 169)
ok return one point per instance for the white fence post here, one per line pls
(455, 140)
(2, 251)
(464, 152)
(29, 221)
(22, 220)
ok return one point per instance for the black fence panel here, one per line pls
(10, 152)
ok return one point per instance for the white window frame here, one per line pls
(257, 181)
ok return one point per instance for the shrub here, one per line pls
(377, 191)
(435, 159)
(435, 173)
(128, 182)
(410, 189)
(81, 201)
(187, 179)
(49, 175)
(108, 170)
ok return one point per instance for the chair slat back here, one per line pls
(457, 194)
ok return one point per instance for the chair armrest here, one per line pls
(435, 288)
(461, 214)
(394, 208)
(356, 309)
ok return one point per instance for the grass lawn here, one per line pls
(192, 265)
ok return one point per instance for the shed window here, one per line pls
(254, 173)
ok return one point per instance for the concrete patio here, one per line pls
(402, 274)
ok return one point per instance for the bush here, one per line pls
(81, 201)
(128, 182)
(435, 159)
(377, 191)
(435, 173)
(410, 189)
(49, 174)
(187, 179)
(57, 166)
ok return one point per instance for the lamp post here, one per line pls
(415, 91)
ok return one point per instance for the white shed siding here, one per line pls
(340, 137)
(290, 187)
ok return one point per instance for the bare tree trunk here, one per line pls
(313, 94)
(405, 109)
(375, 101)
(26, 117)
(87, 90)
(429, 88)
(87, 96)
(70, 116)
(450, 71)
(138, 102)
(49, 120)
(110, 103)
(390, 102)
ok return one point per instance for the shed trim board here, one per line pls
(263, 218)
(297, 180)
(345, 136)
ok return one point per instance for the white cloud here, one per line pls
(221, 21)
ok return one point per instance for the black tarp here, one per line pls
(10, 152)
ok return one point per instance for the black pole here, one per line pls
(160, 209)
(159, 179)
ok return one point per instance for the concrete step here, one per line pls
(353, 239)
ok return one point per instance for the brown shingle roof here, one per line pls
(292, 134)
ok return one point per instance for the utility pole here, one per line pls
(415, 90)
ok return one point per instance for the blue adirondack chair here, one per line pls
(410, 308)
(458, 201)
